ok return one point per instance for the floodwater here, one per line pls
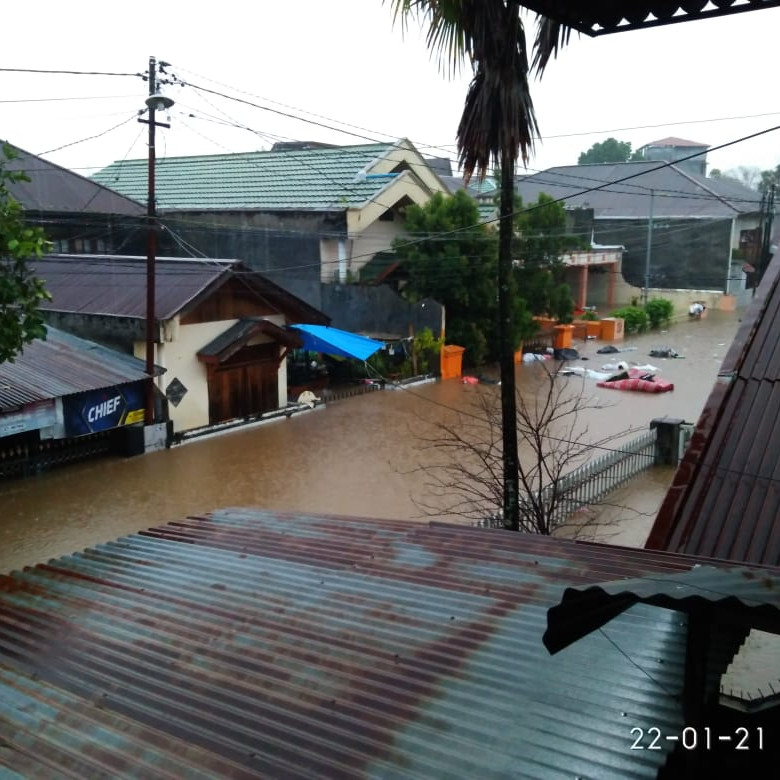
(363, 456)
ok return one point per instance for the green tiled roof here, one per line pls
(321, 179)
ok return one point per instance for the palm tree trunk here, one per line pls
(506, 345)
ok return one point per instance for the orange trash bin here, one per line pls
(451, 361)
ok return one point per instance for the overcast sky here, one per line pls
(343, 63)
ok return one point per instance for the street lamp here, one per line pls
(154, 102)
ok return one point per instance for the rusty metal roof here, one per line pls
(724, 501)
(114, 285)
(250, 643)
(602, 17)
(62, 365)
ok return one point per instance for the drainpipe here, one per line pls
(342, 260)
(732, 236)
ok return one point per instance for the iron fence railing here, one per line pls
(590, 483)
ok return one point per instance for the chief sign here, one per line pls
(103, 409)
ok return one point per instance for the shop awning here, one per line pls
(332, 341)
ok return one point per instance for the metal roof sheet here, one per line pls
(602, 17)
(676, 193)
(62, 365)
(319, 178)
(724, 501)
(750, 596)
(55, 189)
(250, 643)
(115, 285)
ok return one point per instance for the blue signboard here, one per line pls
(100, 410)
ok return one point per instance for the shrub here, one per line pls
(635, 319)
(659, 312)
(589, 315)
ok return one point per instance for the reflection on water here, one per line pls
(361, 456)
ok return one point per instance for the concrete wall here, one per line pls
(379, 311)
(120, 333)
(283, 245)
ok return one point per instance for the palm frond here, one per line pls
(551, 37)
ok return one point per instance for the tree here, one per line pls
(452, 258)
(609, 151)
(464, 467)
(498, 122)
(540, 241)
(747, 175)
(20, 290)
(768, 179)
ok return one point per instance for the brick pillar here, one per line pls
(582, 292)
(613, 270)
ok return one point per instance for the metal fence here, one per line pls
(594, 480)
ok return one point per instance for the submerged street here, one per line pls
(361, 456)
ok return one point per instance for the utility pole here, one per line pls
(153, 102)
(649, 249)
(511, 462)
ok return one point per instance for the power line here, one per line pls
(91, 137)
(61, 99)
(71, 72)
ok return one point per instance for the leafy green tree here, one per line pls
(452, 258)
(540, 241)
(20, 290)
(609, 151)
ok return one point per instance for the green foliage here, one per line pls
(20, 290)
(609, 151)
(659, 312)
(427, 350)
(589, 315)
(635, 319)
(540, 240)
(453, 260)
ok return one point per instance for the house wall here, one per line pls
(377, 237)
(180, 359)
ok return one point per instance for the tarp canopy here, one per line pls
(332, 341)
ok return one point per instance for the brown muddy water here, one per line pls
(361, 456)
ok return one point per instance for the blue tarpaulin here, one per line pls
(332, 341)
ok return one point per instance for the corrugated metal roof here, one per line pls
(676, 193)
(55, 189)
(62, 365)
(116, 285)
(324, 179)
(724, 501)
(750, 596)
(603, 17)
(251, 643)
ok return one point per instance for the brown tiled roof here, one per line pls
(724, 501)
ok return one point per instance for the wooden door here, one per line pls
(244, 385)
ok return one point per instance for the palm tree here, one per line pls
(497, 124)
